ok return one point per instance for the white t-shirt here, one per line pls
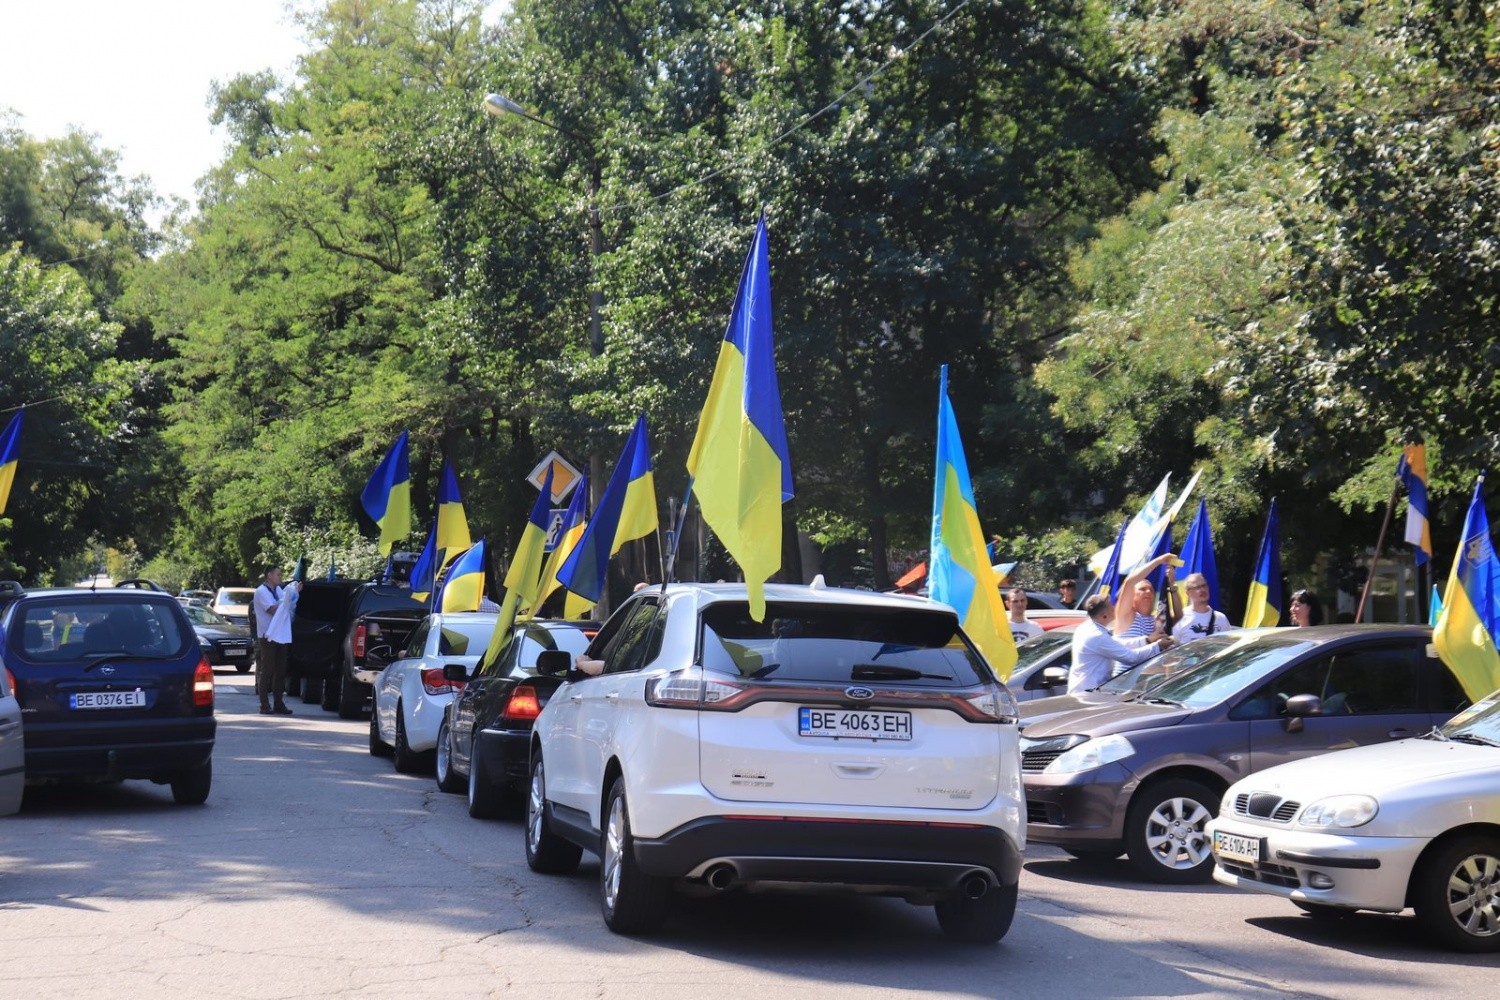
(1195, 625)
(280, 629)
(1023, 630)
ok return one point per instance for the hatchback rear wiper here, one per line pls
(118, 658)
(885, 672)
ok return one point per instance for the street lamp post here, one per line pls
(498, 105)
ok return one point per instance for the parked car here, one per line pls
(382, 624)
(849, 741)
(1409, 824)
(1031, 679)
(1145, 776)
(196, 598)
(324, 630)
(484, 741)
(1054, 618)
(129, 696)
(12, 748)
(413, 693)
(224, 643)
(234, 603)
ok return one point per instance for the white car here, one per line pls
(411, 693)
(12, 749)
(1409, 824)
(850, 741)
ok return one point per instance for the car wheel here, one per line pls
(546, 852)
(978, 921)
(331, 690)
(378, 746)
(447, 781)
(190, 787)
(1097, 857)
(242, 668)
(312, 690)
(1164, 833)
(407, 760)
(1456, 893)
(352, 695)
(485, 800)
(1322, 911)
(633, 902)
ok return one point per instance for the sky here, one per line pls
(138, 73)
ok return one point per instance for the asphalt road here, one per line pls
(317, 871)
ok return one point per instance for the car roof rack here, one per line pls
(11, 588)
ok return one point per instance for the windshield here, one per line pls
(203, 616)
(1039, 647)
(1173, 662)
(458, 637)
(839, 644)
(64, 629)
(1237, 670)
(1481, 720)
(234, 598)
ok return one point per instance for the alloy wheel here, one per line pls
(1175, 833)
(534, 807)
(614, 847)
(1474, 895)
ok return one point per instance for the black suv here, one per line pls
(112, 686)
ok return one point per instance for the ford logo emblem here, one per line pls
(859, 693)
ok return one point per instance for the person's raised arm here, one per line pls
(1125, 600)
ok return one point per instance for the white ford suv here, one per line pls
(848, 742)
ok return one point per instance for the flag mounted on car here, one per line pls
(451, 526)
(1470, 620)
(387, 496)
(464, 587)
(1264, 607)
(626, 511)
(10, 455)
(569, 535)
(523, 579)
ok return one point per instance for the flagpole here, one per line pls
(1359, 613)
(671, 566)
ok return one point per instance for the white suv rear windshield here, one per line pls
(838, 644)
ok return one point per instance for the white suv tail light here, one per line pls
(690, 688)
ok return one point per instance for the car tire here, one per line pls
(1093, 857)
(546, 852)
(352, 695)
(407, 760)
(190, 787)
(378, 746)
(485, 800)
(312, 690)
(1164, 834)
(332, 688)
(1456, 894)
(632, 901)
(977, 921)
(1322, 911)
(242, 668)
(447, 780)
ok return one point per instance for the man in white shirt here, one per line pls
(1096, 652)
(1020, 628)
(263, 606)
(1200, 618)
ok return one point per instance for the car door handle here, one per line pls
(1400, 733)
(612, 696)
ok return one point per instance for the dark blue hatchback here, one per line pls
(113, 685)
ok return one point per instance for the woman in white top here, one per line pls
(1200, 618)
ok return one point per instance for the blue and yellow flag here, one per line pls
(1434, 607)
(568, 537)
(1264, 606)
(452, 527)
(740, 464)
(10, 456)
(627, 511)
(465, 584)
(387, 496)
(523, 579)
(1412, 471)
(1109, 580)
(1470, 621)
(1198, 556)
(959, 573)
(424, 572)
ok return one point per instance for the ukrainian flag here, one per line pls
(959, 573)
(452, 527)
(1264, 605)
(387, 496)
(741, 468)
(1412, 471)
(574, 522)
(465, 584)
(1470, 620)
(1198, 556)
(627, 511)
(1109, 580)
(523, 579)
(425, 571)
(10, 456)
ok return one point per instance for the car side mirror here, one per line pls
(1299, 707)
(554, 662)
(1054, 676)
(455, 672)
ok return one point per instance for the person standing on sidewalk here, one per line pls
(279, 643)
(263, 607)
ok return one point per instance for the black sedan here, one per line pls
(484, 740)
(224, 643)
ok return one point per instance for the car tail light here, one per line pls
(433, 682)
(993, 704)
(690, 688)
(358, 644)
(203, 684)
(10, 681)
(523, 704)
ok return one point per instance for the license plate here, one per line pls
(108, 699)
(1237, 848)
(843, 723)
(236, 652)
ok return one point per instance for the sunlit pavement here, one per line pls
(317, 871)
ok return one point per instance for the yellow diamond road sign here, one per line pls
(564, 475)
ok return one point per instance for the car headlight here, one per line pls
(1091, 754)
(1343, 811)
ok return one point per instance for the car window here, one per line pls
(1375, 681)
(1038, 647)
(1223, 677)
(1445, 694)
(235, 598)
(637, 642)
(64, 629)
(417, 644)
(464, 638)
(607, 634)
(839, 644)
(1159, 669)
(203, 616)
(1269, 700)
(534, 641)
